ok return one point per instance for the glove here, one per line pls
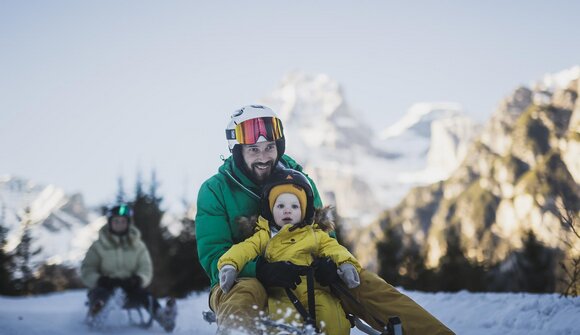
(228, 276)
(347, 272)
(107, 282)
(278, 274)
(325, 271)
(132, 283)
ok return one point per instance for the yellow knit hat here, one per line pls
(292, 189)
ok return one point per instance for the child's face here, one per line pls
(286, 210)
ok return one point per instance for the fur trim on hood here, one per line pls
(323, 219)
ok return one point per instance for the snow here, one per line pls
(422, 112)
(463, 312)
(560, 80)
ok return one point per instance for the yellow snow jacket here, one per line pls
(299, 246)
(117, 257)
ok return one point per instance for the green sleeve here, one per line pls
(212, 230)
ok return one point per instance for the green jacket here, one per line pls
(117, 257)
(222, 198)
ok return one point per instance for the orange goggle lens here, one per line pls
(249, 131)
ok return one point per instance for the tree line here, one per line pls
(177, 271)
(534, 268)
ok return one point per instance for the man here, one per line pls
(256, 140)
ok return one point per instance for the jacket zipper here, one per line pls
(241, 185)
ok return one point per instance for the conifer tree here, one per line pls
(120, 191)
(415, 275)
(176, 267)
(23, 274)
(536, 266)
(147, 217)
(456, 272)
(5, 259)
(389, 253)
(139, 186)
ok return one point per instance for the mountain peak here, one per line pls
(419, 117)
(315, 112)
(303, 95)
(559, 80)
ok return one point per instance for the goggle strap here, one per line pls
(230, 134)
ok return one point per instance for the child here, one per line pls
(285, 232)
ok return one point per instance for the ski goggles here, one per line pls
(250, 131)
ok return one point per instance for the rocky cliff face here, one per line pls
(517, 176)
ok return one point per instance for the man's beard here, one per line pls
(261, 175)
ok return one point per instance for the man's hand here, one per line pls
(227, 276)
(325, 271)
(278, 274)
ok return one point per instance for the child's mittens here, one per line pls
(347, 272)
(227, 276)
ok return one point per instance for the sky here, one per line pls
(96, 90)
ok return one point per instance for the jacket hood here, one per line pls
(322, 220)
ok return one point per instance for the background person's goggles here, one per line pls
(249, 131)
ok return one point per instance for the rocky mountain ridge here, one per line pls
(517, 176)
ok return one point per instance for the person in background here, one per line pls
(120, 259)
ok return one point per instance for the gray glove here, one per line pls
(228, 276)
(347, 272)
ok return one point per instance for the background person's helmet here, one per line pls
(287, 176)
(253, 124)
(120, 210)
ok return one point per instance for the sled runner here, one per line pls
(99, 311)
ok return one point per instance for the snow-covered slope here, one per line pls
(359, 171)
(465, 313)
(60, 224)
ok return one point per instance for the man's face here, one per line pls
(259, 159)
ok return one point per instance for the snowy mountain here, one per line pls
(465, 313)
(60, 224)
(518, 176)
(361, 172)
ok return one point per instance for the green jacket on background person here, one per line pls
(227, 195)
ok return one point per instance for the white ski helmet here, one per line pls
(252, 124)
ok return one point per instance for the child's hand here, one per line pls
(347, 272)
(228, 275)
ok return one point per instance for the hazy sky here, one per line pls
(93, 90)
